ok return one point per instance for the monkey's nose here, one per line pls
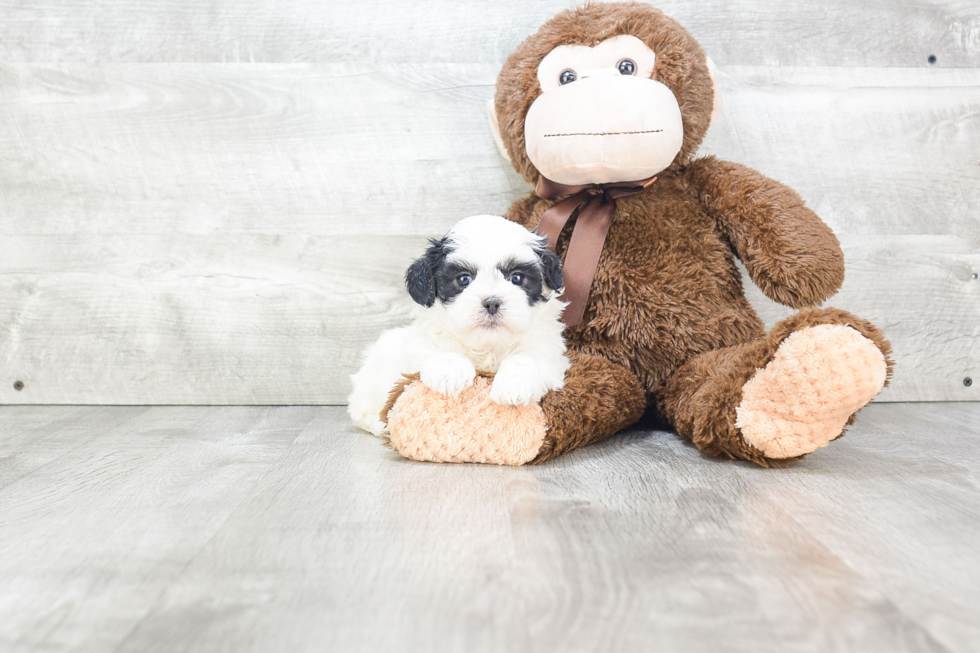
(492, 305)
(608, 71)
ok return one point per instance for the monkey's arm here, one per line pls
(792, 256)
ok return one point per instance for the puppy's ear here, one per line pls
(421, 283)
(551, 266)
(421, 276)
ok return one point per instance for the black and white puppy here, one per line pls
(486, 301)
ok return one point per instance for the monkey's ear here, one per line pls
(421, 276)
(551, 267)
(495, 128)
(716, 91)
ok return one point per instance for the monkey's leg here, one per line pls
(779, 397)
(599, 399)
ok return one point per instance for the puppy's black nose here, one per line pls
(492, 304)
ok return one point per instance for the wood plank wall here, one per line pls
(213, 201)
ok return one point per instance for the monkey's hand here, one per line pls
(448, 373)
(789, 252)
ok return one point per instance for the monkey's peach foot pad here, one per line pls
(803, 398)
(426, 425)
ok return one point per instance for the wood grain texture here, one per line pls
(121, 515)
(183, 231)
(193, 148)
(875, 152)
(256, 529)
(236, 319)
(33, 439)
(256, 319)
(406, 149)
(753, 32)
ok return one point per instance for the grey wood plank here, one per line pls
(116, 290)
(257, 319)
(897, 499)
(347, 520)
(246, 319)
(356, 149)
(860, 144)
(327, 149)
(283, 529)
(19, 423)
(31, 438)
(639, 543)
(89, 541)
(822, 32)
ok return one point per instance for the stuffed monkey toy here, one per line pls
(603, 110)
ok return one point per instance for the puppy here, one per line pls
(486, 301)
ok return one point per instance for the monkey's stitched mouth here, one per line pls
(648, 131)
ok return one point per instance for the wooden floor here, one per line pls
(281, 529)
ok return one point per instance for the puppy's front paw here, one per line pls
(513, 390)
(522, 380)
(518, 383)
(448, 373)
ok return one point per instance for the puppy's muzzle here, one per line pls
(492, 305)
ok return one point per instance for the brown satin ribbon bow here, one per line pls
(598, 204)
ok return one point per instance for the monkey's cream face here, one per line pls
(600, 117)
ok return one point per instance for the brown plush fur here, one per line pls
(599, 399)
(667, 287)
(667, 301)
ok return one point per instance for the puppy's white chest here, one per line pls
(488, 362)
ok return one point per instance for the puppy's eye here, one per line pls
(567, 76)
(464, 280)
(517, 278)
(627, 67)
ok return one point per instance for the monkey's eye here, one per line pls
(567, 76)
(464, 280)
(517, 278)
(627, 67)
